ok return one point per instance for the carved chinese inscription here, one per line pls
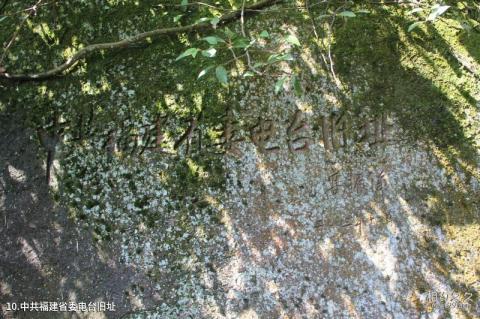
(338, 130)
(230, 134)
(296, 141)
(262, 135)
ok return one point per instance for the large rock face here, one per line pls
(352, 192)
(326, 217)
(336, 232)
(329, 215)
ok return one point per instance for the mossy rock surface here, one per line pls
(357, 196)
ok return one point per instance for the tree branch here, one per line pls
(84, 52)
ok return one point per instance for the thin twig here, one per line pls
(329, 46)
(312, 19)
(242, 26)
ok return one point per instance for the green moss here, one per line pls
(413, 76)
(416, 77)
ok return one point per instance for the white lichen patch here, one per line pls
(322, 214)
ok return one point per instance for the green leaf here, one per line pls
(214, 21)
(184, 5)
(347, 14)
(279, 84)
(248, 74)
(177, 18)
(466, 26)
(264, 34)
(241, 43)
(221, 75)
(287, 57)
(292, 39)
(324, 16)
(3, 18)
(414, 25)
(437, 11)
(189, 52)
(258, 65)
(416, 10)
(229, 33)
(204, 71)
(363, 11)
(279, 57)
(297, 86)
(273, 58)
(210, 53)
(213, 39)
(201, 20)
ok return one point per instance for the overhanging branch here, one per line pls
(84, 52)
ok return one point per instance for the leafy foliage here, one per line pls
(435, 12)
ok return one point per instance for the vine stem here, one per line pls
(84, 52)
